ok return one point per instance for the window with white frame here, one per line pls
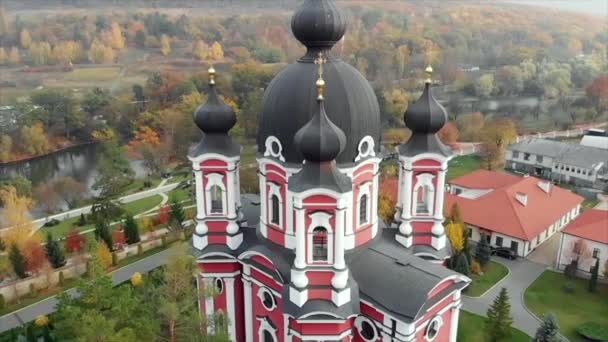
(424, 194)
(364, 204)
(432, 330)
(275, 201)
(267, 332)
(319, 244)
(363, 209)
(215, 194)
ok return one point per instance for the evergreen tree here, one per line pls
(54, 252)
(595, 270)
(499, 320)
(461, 264)
(131, 230)
(178, 216)
(483, 251)
(102, 232)
(548, 330)
(82, 221)
(18, 261)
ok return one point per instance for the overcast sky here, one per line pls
(595, 7)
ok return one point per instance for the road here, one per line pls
(47, 306)
(522, 274)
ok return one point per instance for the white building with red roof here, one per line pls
(592, 228)
(513, 212)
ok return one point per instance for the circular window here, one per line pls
(267, 299)
(432, 330)
(219, 285)
(366, 148)
(275, 148)
(366, 329)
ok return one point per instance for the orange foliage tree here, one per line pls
(449, 134)
(388, 199)
(74, 242)
(35, 256)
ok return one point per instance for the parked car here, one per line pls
(505, 253)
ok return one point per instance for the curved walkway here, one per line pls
(522, 274)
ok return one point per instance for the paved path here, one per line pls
(523, 273)
(546, 253)
(47, 306)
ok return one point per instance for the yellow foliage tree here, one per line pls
(40, 53)
(67, 52)
(165, 45)
(114, 37)
(25, 38)
(455, 233)
(14, 58)
(217, 52)
(201, 50)
(16, 214)
(100, 53)
(6, 147)
(34, 140)
(104, 134)
(386, 208)
(104, 255)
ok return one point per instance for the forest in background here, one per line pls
(72, 76)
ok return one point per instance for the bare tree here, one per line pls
(70, 190)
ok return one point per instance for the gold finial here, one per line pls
(429, 74)
(320, 61)
(211, 72)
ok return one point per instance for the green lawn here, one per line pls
(93, 74)
(180, 194)
(546, 294)
(470, 329)
(142, 205)
(462, 165)
(482, 283)
(590, 203)
(64, 227)
(138, 185)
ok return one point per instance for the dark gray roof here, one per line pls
(318, 23)
(320, 175)
(216, 143)
(571, 154)
(291, 98)
(424, 143)
(320, 140)
(320, 306)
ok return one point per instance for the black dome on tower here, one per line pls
(215, 116)
(425, 118)
(291, 98)
(318, 24)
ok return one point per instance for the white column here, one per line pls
(209, 305)
(248, 299)
(201, 227)
(406, 194)
(230, 308)
(400, 188)
(339, 238)
(440, 194)
(230, 194)
(454, 321)
(300, 261)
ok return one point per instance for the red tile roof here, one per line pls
(484, 179)
(592, 225)
(501, 212)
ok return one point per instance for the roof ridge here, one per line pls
(519, 219)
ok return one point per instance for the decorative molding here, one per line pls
(274, 148)
(366, 148)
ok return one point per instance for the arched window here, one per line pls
(216, 199)
(424, 194)
(319, 244)
(422, 204)
(275, 210)
(363, 209)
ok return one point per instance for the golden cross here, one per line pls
(320, 60)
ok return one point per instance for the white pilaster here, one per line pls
(248, 298)
(406, 194)
(209, 305)
(339, 262)
(231, 194)
(230, 308)
(200, 194)
(439, 240)
(300, 261)
(263, 211)
(454, 319)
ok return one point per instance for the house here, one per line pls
(595, 138)
(591, 227)
(308, 259)
(560, 162)
(515, 212)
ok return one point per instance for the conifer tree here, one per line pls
(595, 270)
(18, 262)
(2, 244)
(499, 320)
(131, 230)
(483, 251)
(102, 233)
(461, 264)
(548, 330)
(178, 216)
(54, 252)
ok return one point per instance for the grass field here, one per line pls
(482, 283)
(470, 329)
(142, 205)
(462, 165)
(546, 295)
(93, 74)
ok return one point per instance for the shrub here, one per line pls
(147, 184)
(61, 278)
(593, 331)
(569, 288)
(475, 267)
(82, 221)
(52, 223)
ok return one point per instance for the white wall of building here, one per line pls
(564, 255)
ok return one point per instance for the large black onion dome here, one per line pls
(320, 140)
(215, 116)
(426, 115)
(318, 24)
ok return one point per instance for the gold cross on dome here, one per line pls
(320, 60)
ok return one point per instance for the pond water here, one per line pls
(79, 162)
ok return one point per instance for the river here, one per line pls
(79, 162)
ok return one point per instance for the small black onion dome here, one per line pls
(318, 24)
(215, 116)
(426, 115)
(320, 140)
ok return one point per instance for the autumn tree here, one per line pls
(6, 148)
(34, 140)
(456, 235)
(201, 50)
(395, 102)
(39, 53)
(217, 52)
(113, 37)
(74, 241)
(114, 170)
(104, 254)
(14, 58)
(16, 215)
(388, 199)
(597, 92)
(165, 45)
(3, 56)
(35, 255)
(470, 126)
(146, 145)
(25, 38)
(449, 133)
(163, 215)
(100, 53)
(46, 197)
(67, 52)
(70, 190)
(18, 262)
(495, 137)
(484, 87)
